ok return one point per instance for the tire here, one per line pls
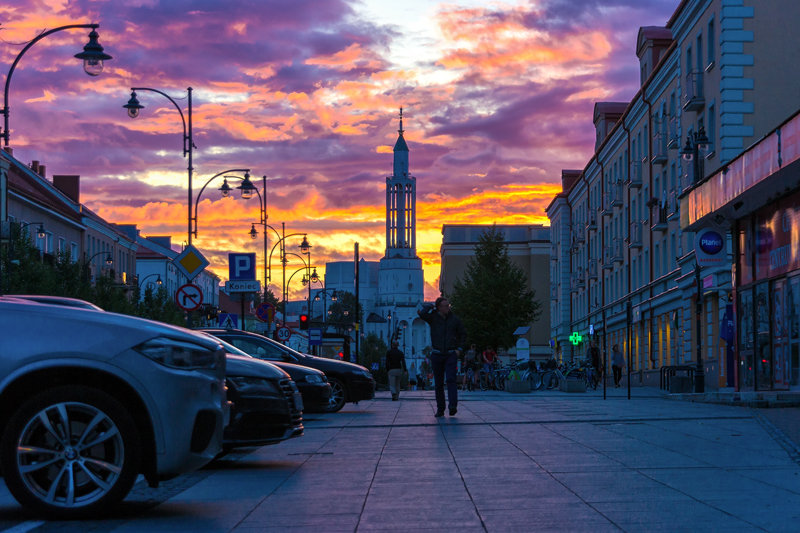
(338, 396)
(550, 381)
(61, 476)
(535, 380)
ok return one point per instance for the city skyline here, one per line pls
(497, 100)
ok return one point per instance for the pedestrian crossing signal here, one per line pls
(303, 321)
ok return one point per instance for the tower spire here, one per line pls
(400, 131)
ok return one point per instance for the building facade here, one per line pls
(623, 264)
(528, 248)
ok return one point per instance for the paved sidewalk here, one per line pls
(545, 461)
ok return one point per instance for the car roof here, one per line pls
(55, 300)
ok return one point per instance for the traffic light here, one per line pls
(303, 321)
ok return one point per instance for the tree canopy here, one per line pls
(493, 298)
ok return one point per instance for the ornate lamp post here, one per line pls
(695, 143)
(281, 242)
(157, 281)
(133, 106)
(92, 56)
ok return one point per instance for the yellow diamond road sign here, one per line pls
(190, 262)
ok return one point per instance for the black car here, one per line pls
(312, 383)
(349, 382)
(266, 406)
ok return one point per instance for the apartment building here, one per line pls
(623, 264)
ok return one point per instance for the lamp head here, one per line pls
(687, 152)
(40, 231)
(304, 246)
(314, 276)
(109, 259)
(158, 280)
(133, 106)
(701, 140)
(225, 189)
(247, 187)
(93, 55)
(334, 296)
(253, 231)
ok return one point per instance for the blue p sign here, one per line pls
(241, 267)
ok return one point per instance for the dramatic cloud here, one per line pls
(497, 99)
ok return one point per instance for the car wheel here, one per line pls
(337, 398)
(70, 451)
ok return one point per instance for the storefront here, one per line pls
(768, 296)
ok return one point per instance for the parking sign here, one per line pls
(241, 267)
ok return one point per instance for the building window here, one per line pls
(711, 131)
(710, 44)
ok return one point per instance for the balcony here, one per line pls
(577, 236)
(674, 140)
(693, 98)
(659, 149)
(591, 220)
(612, 198)
(658, 214)
(673, 206)
(635, 175)
(591, 269)
(577, 280)
(617, 251)
(635, 235)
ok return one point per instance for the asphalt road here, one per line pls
(545, 461)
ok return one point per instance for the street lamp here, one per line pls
(92, 56)
(133, 106)
(193, 218)
(40, 231)
(696, 141)
(304, 246)
(157, 281)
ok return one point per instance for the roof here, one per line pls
(400, 145)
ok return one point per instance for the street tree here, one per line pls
(493, 298)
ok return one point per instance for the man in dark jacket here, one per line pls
(395, 367)
(447, 340)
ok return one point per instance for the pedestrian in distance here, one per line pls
(447, 340)
(489, 358)
(594, 354)
(395, 367)
(470, 364)
(617, 364)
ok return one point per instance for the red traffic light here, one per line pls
(303, 321)
(341, 355)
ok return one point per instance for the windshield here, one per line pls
(230, 348)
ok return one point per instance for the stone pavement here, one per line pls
(544, 461)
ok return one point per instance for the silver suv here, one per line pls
(90, 400)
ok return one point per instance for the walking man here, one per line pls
(447, 340)
(617, 363)
(395, 366)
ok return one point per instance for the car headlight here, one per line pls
(315, 378)
(179, 354)
(248, 385)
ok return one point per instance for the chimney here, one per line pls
(43, 171)
(9, 150)
(35, 166)
(69, 185)
(568, 179)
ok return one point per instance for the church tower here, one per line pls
(401, 203)
(401, 284)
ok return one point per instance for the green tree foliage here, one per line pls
(342, 312)
(493, 298)
(25, 270)
(373, 350)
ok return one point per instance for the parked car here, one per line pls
(54, 300)
(266, 407)
(89, 400)
(349, 382)
(312, 383)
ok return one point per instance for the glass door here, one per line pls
(793, 318)
(745, 346)
(763, 346)
(780, 336)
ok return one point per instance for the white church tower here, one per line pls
(401, 286)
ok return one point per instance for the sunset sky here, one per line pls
(497, 99)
